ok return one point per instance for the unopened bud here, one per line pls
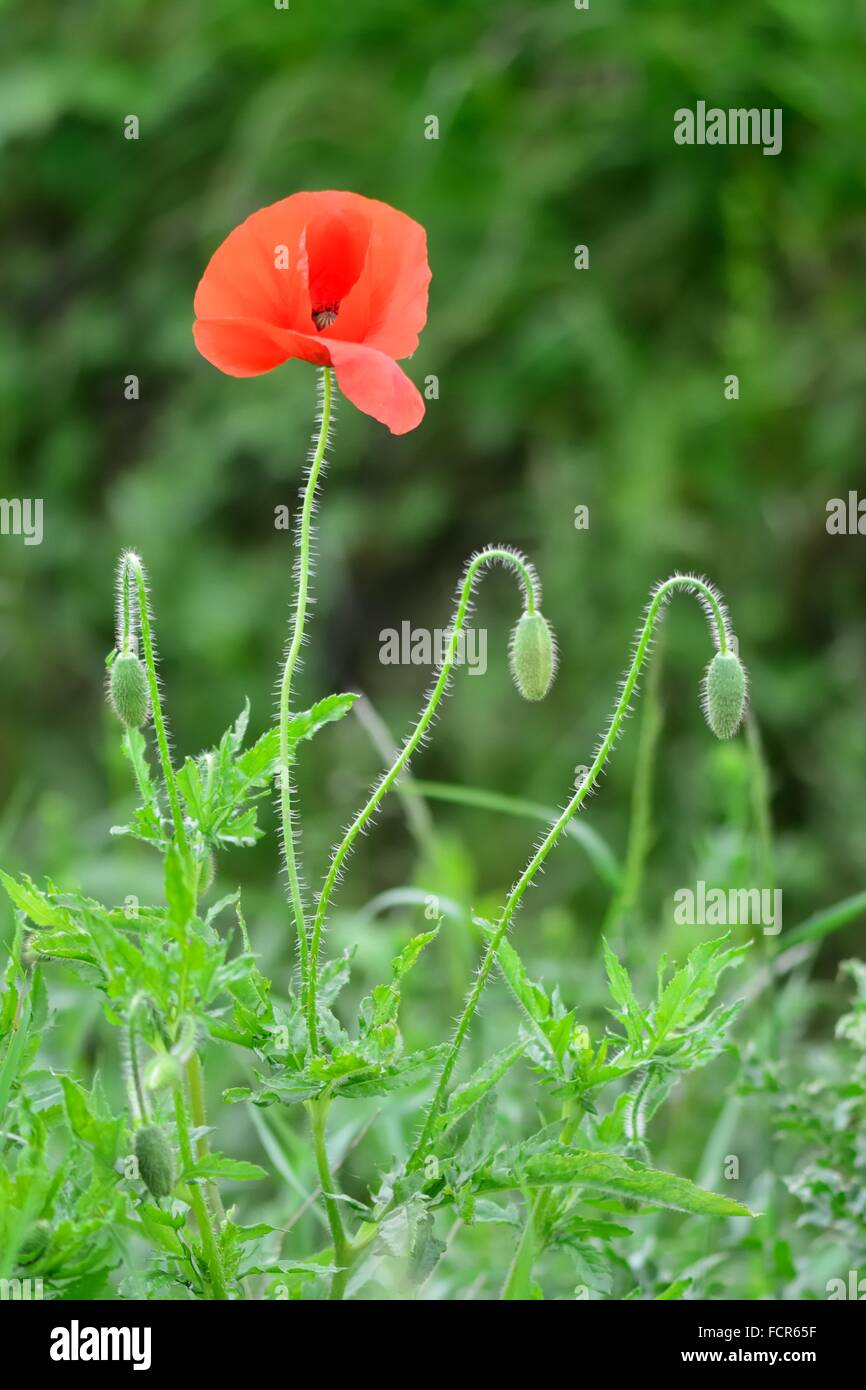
(533, 656)
(207, 872)
(155, 1160)
(130, 697)
(724, 697)
(162, 1072)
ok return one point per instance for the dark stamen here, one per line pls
(324, 317)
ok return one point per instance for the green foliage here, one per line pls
(824, 1116)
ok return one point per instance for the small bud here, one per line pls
(130, 696)
(533, 656)
(155, 1160)
(34, 1243)
(724, 697)
(207, 872)
(162, 1072)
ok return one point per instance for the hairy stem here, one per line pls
(318, 1111)
(132, 565)
(718, 623)
(195, 1082)
(199, 1206)
(303, 539)
(529, 580)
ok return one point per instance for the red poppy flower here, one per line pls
(332, 278)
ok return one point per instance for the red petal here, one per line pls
(336, 242)
(375, 384)
(397, 276)
(247, 347)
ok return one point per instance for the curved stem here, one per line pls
(138, 1104)
(125, 630)
(532, 595)
(720, 631)
(131, 563)
(297, 637)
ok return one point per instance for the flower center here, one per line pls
(325, 316)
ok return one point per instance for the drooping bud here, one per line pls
(162, 1072)
(155, 1160)
(724, 696)
(34, 1243)
(532, 656)
(130, 697)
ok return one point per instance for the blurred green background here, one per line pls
(557, 387)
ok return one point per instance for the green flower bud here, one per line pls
(532, 655)
(35, 1243)
(724, 696)
(162, 1072)
(207, 873)
(155, 1160)
(130, 697)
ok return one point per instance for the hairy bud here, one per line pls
(724, 696)
(533, 656)
(162, 1072)
(130, 697)
(207, 872)
(155, 1160)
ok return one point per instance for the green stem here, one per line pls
(528, 1250)
(297, 638)
(528, 578)
(137, 1094)
(199, 1206)
(718, 622)
(132, 562)
(318, 1111)
(195, 1082)
(626, 900)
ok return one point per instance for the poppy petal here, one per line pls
(336, 244)
(375, 384)
(368, 378)
(248, 347)
(397, 276)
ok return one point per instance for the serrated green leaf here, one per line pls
(631, 1016)
(691, 988)
(610, 1173)
(214, 1166)
(481, 1081)
(179, 886)
(402, 964)
(310, 721)
(33, 902)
